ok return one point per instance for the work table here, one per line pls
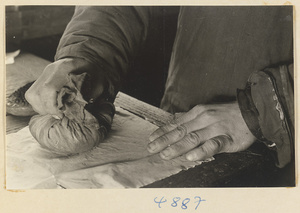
(253, 167)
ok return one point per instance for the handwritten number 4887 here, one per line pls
(176, 200)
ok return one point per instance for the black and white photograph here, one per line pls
(149, 97)
(150, 107)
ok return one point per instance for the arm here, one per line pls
(100, 41)
(107, 37)
(264, 111)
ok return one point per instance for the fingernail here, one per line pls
(56, 117)
(191, 157)
(151, 147)
(151, 138)
(165, 154)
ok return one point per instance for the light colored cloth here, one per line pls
(122, 161)
(10, 57)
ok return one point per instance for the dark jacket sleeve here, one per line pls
(108, 38)
(267, 105)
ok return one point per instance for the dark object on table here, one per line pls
(16, 104)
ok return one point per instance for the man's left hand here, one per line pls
(202, 132)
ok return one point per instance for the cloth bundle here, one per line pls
(78, 131)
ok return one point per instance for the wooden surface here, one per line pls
(253, 167)
(27, 68)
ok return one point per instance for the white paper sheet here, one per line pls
(122, 161)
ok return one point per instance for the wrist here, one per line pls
(250, 113)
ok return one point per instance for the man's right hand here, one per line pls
(42, 95)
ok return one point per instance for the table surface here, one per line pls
(253, 167)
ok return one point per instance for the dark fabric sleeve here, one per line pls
(267, 105)
(108, 38)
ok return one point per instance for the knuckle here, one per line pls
(173, 150)
(209, 113)
(204, 151)
(216, 143)
(216, 127)
(172, 137)
(176, 149)
(181, 131)
(227, 140)
(162, 140)
(219, 128)
(168, 127)
(193, 138)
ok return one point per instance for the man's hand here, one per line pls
(42, 95)
(202, 132)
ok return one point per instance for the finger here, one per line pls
(202, 121)
(57, 117)
(162, 130)
(43, 101)
(173, 136)
(211, 147)
(189, 142)
(167, 139)
(179, 120)
(178, 114)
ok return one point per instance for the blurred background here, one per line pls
(38, 29)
